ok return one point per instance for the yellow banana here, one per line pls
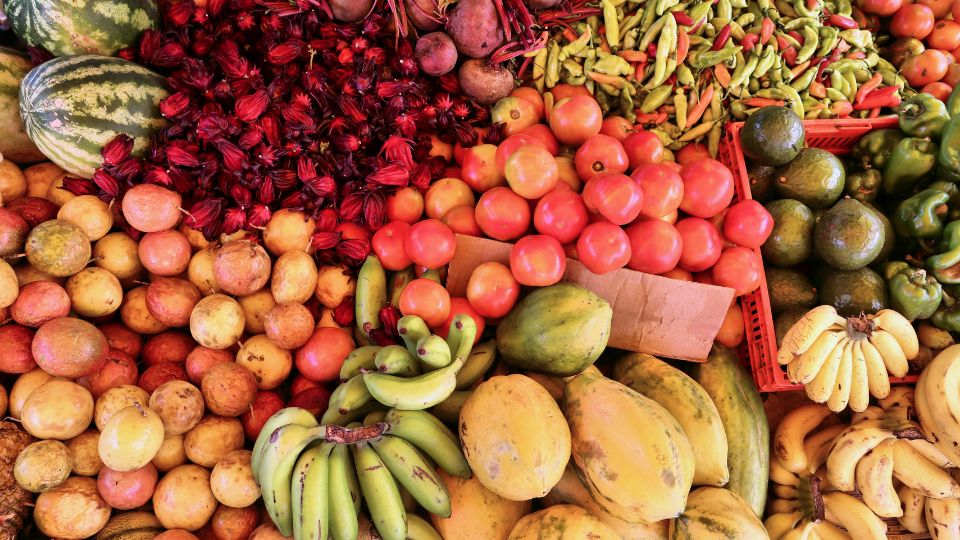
(381, 493)
(781, 506)
(414, 473)
(891, 352)
(802, 532)
(806, 366)
(900, 328)
(429, 434)
(874, 476)
(916, 471)
(396, 360)
(804, 332)
(859, 382)
(933, 337)
(778, 525)
(433, 352)
(872, 412)
(850, 513)
(821, 387)
(289, 415)
(817, 446)
(877, 376)
(788, 440)
(419, 529)
(913, 503)
(785, 492)
(412, 329)
(359, 358)
(828, 531)
(480, 361)
(930, 451)
(943, 518)
(849, 448)
(371, 295)
(838, 400)
(448, 410)
(780, 475)
(344, 494)
(935, 402)
(311, 501)
(276, 471)
(900, 397)
(348, 397)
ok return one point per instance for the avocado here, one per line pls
(854, 291)
(772, 136)
(816, 178)
(849, 236)
(761, 182)
(785, 320)
(889, 235)
(791, 241)
(789, 288)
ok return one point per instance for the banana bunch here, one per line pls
(843, 361)
(315, 478)
(937, 398)
(938, 517)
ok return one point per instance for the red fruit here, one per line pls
(169, 346)
(747, 224)
(738, 268)
(707, 187)
(314, 400)
(701, 244)
(655, 246)
(158, 374)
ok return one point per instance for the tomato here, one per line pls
(461, 220)
(704, 277)
(662, 189)
(884, 8)
(738, 268)
(563, 91)
(955, 10)
(406, 204)
(617, 127)
(600, 153)
(515, 113)
(603, 247)
(912, 20)
(731, 329)
(320, 358)
(575, 119)
(492, 290)
(945, 36)
(510, 145)
(542, 133)
(643, 147)
(748, 224)
(440, 148)
(701, 244)
(956, 54)
(929, 66)
(939, 90)
(679, 274)
(480, 168)
(445, 194)
(531, 172)
(655, 246)
(568, 176)
(692, 152)
(352, 231)
(707, 187)
(427, 299)
(502, 214)
(903, 48)
(537, 260)
(388, 243)
(952, 78)
(452, 172)
(940, 8)
(461, 306)
(430, 243)
(533, 96)
(616, 197)
(561, 214)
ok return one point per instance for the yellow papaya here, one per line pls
(717, 513)
(630, 452)
(477, 513)
(515, 437)
(562, 522)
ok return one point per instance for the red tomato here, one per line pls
(670, 218)
(321, 357)
(940, 8)
(568, 177)
(576, 118)
(614, 196)
(510, 145)
(561, 214)
(531, 172)
(461, 220)
(532, 95)
(543, 134)
(939, 90)
(603, 247)
(945, 35)
(406, 204)
(514, 113)
(537, 260)
(479, 169)
(929, 66)
(502, 214)
(701, 244)
(563, 90)
(884, 8)
(912, 20)
(679, 274)
(617, 127)
(952, 78)
(748, 224)
(459, 305)
(707, 187)
(427, 299)
(492, 290)
(445, 194)
(600, 153)
(662, 189)
(655, 246)
(738, 268)
(643, 147)
(388, 244)
(692, 152)
(430, 243)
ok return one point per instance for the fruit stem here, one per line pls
(860, 327)
(818, 510)
(343, 435)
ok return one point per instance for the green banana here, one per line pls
(289, 415)
(414, 473)
(371, 295)
(310, 493)
(276, 471)
(412, 329)
(396, 360)
(433, 352)
(398, 281)
(429, 434)
(348, 397)
(344, 494)
(448, 410)
(419, 529)
(334, 417)
(359, 358)
(381, 493)
(480, 361)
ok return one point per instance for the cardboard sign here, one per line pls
(651, 314)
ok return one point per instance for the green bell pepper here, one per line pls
(912, 292)
(873, 150)
(864, 185)
(945, 265)
(953, 102)
(911, 160)
(953, 191)
(949, 156)
(922, 116)
(947, 317)
(920, 216)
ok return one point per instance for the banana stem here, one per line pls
(344, 435)
(818, 510)
(860, 327)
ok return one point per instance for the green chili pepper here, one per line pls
(861, 39)
(913, 293)
(700, 11)
(613, 65)
(712, 58)
(863, 185)
(844, 8)
(588, 66)
(811, 38)
(846, 64)
(539, 69)
(793, 99)
(553, 65)
(743, 71)
(829, 37)
(664, 5)
(910, 160)
(667, 43)
(572, 67)
(739, 110)
(945, 265)
(684, 75)
(919, 216)
(653, 32)
(872, 59)
(765, 62)
(633, 22)
(745, 19)
(836, 95)
(724, 9)
(576, 46)
(657, 97)
(611, 23)
(800, 22)
(803, 81)
(923, 115)
(949, 157)
(626, 106)
(850, 89)
(800, 6)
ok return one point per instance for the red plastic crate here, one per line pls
(838, 137)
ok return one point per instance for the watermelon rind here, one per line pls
(15, 145)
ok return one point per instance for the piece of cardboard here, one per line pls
(651, 314)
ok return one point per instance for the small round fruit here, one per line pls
(201, 358)
(126, 490)
(603, 247)
(84, 456)
(234, 523)
(228, 389)
(200, 271)
(123, 338)
(212, 438)
(40, 302)
(232, 480)
(562, 215)
(15, 343)
(90, 214)
(58, 409)
(94, 292)
(538, 260)
(289, 325)
(165, 253)
(157, 374)
(445, 194)
(42, 466)
(217, 321)
(502, 214)
(334, 283)
(738, 268)
(72, 510)
(70, 347)
(33, 211)
(573, 120)
(171, 453)
(117, 399)
(600, 153)
(241, 267)
(58, 248)
(615, 196)
(269, 365)
(183, 499)
(912, 20)
(171, 300)
(25, 384)
(655, 246)
(288, 230)
(531, 172)
(427, 299)
(119, 369)
(515, 113)
(136, 316)
(406, 204)
(294, 277)
(492, 290)
(322, 355)
(255, 308)
(480, 170)
(263, 407)
(13, 232)
(430, 243)
(643, 147)
(315, 400)
(151, 208)
(9, 285)
(130, 439)
(179, 404)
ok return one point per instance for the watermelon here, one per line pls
(73, 105)
(66, 27)
(14, 143)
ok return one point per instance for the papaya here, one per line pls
(477, 513)
(515, 437)
(614, 430)
(717, 513)
(562, 522)
(554, 385)
(555, 330)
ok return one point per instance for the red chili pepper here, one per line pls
(697, 111)
(782, 43)
(874, 113)
(683, 46)
(651, 118)
(841, 108)
(722, 36)
(682, 18)
(884, 97)
(840, 21)
(766, 30)
(763, 102)
(671, 80)
(652, 49)
(821, 71)
(790, 55)
(796, 35)
(569, 34)
(749, 41)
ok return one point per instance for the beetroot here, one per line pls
(350, 10)
(70, 347)
(436, 54)
(484, 82)
(423, 14)
(475, 28)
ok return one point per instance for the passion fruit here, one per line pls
(25, 384)
(72, 510)
(228, 389)
(33, 210)
(123, 338)
(171, 300)
(117, 253)
(70, 347)
(42, 466)
(217, 321)
(136, 316)
(288, 230)
(94, 292)
(117, 399)
(9, 286)
(39, 302)
(13, 232)
(241, 267)
(294, 277)
(269, 363)
(202, 359)
(58, 409)
(58, 247)
(131, 438)
(179, 405)
(15, 343)
(200, 271)
(151, 208)
(169, 346)
(119, 369)
(289, 325)
(164, 253)
(255, 308)
(90, 214)
(158, 374)
(84, 456)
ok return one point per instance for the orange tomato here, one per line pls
(531, 172)
(927, 67)
(912, 20)
(537, 260)
(941, 8)
(563, 90)
(492, 290)
(445, 194)
(461, 220)
(406, 204)
(731, 329)
(617, 127)
(945, 36)
(939, 90)
(575, 119)
(515, 113)
(479, 169)
(567, 174)
(533, 96)
(320, 358)
(427, 299)
(955, 10)
(952, 77)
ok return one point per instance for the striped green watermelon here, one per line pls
(81, 26)
(73, 105)
(14, 143)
